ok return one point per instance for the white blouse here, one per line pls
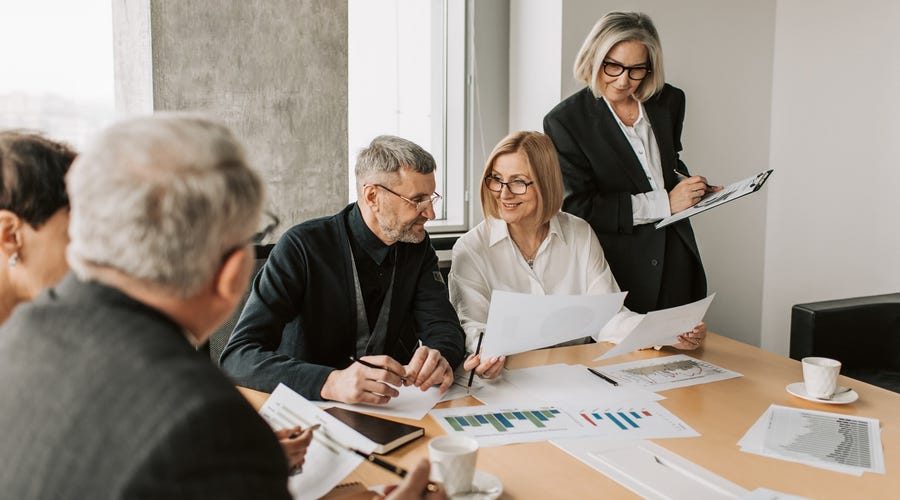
(569, 261)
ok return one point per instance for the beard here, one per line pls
(407, 233)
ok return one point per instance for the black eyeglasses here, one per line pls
(517, 186)
(270, 221)
(421, 206)
(634, 72)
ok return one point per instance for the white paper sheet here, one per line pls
(833, 441)
(327, 463)
(493, 425)
(767, 494)
(543, 383)
(650, 470)
(411, 403)
(661, 327)
(519, 322)
(670, 372)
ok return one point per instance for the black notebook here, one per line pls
(388, 434)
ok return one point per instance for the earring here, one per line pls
(14, 259)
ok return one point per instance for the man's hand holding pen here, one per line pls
(294, 442)
(689, 191)
(370, 379)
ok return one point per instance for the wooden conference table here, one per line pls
(720, 411)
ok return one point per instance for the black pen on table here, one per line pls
(604, 377)
(396, 469)
(472, 374)
(371, 365)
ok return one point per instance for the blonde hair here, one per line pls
(543, 168)
(611, 29)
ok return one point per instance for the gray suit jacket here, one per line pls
(103, 397)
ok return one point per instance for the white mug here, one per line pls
(453, 462)
(820, 376)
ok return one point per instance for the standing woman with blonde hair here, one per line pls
(618, 142)
(34, 216)
(526, 245)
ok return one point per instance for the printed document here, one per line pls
(662, 327)
(519, 322)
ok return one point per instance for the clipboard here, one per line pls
(729, 193)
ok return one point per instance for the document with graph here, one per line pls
(833, 441)
(670, 372)
(728, 193)
(494, 425)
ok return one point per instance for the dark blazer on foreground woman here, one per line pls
(658, 267)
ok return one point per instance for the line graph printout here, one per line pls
(670, 372)
(845, 443)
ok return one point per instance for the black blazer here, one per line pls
(601, 172)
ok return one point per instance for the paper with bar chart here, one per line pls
(670, 372)
(494, 425)
(833, 441)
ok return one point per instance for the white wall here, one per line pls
(534, 53)
(832, 228)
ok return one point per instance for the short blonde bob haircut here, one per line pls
(611, 29)
(543, 168)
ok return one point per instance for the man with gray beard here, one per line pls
(362, 284)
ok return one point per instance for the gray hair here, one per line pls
(161, 199)
(385, 155)
(611, 29)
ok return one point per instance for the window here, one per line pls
(407, 78)
(57, 68)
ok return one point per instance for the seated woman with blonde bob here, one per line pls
(527, 245)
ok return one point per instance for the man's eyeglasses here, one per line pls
(269, 222)
(421, 206)
(634, 72)
(517, 186)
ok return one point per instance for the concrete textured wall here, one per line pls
(274, 71)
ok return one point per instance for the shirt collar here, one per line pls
(500, 231)
(365, 238)
(637, 123)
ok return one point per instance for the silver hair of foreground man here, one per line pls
(162, 199)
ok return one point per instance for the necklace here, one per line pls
(529, 256)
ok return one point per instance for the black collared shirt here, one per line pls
(374, 264)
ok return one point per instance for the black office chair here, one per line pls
(220, 337)
(863, 333)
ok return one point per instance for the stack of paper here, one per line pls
(832, 441)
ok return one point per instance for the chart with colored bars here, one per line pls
(494, 424)
(504, 421)
(624, 420)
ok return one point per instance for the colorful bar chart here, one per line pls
(502, 422)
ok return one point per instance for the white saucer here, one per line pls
(487, 485)
(799, 389)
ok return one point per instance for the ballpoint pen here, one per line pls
(371, 365)
(396, 469)
(604, 377)
(472, 374)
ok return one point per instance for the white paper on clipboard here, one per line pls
(731, 192)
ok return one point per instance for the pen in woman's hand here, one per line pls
(472, 374)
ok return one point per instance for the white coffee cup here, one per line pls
(820, 376)
(453, 462)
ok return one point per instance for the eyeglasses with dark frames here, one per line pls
(516, 186)
(270, 222)
(636, 73)
(420, 206)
